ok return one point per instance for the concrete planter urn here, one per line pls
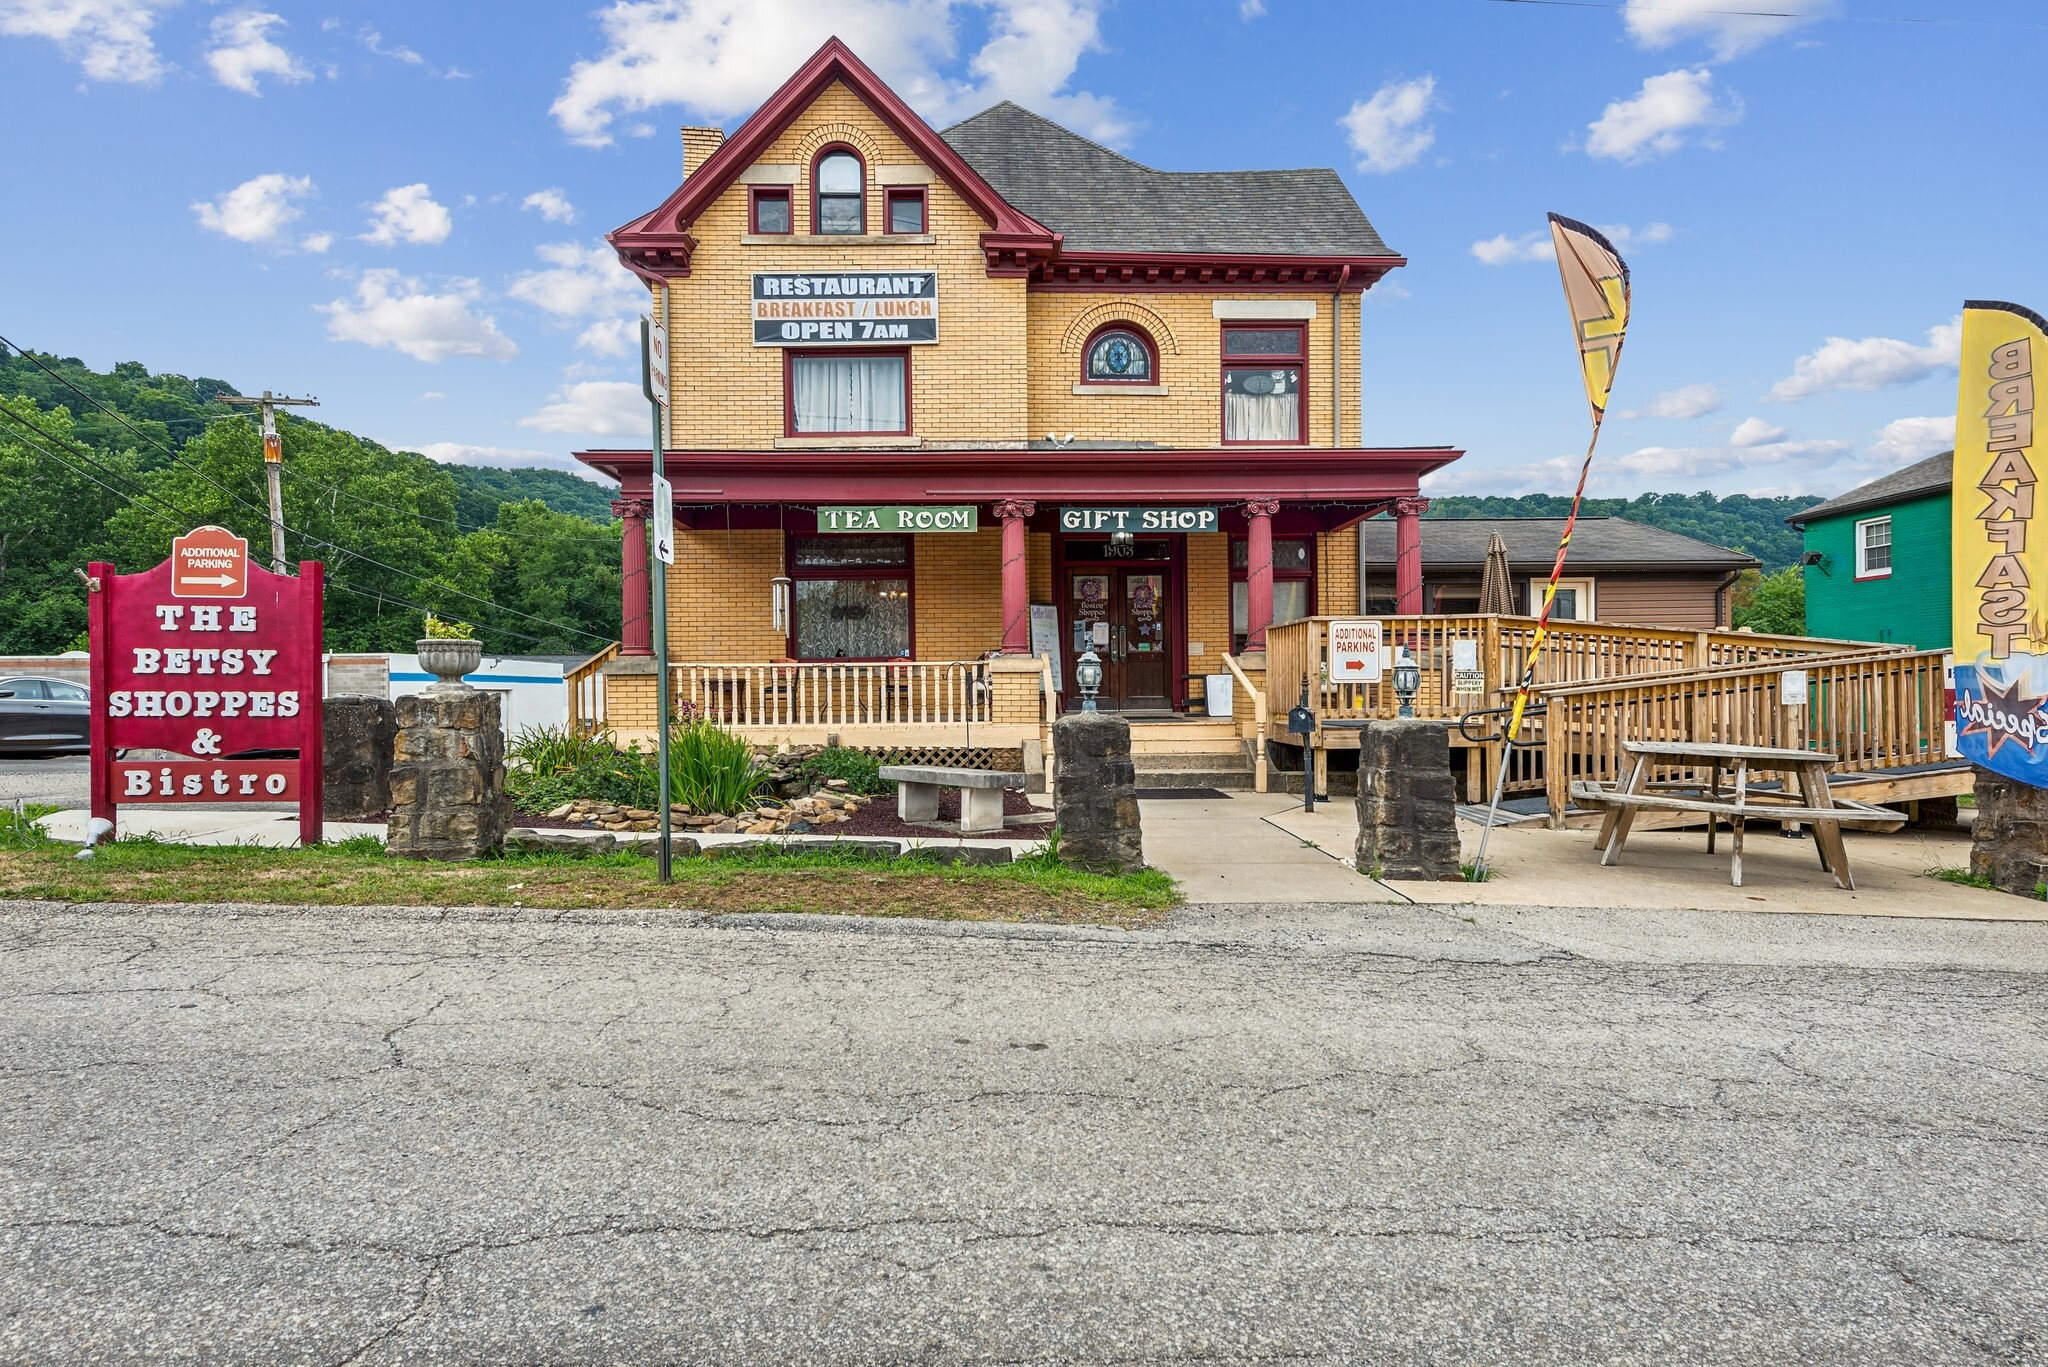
(448, 659)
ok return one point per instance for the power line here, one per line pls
(307, 538)
(178, 458)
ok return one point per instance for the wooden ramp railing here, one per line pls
(834, 694)
(586, 692)
(1875, 709)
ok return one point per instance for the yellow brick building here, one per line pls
(950, 410)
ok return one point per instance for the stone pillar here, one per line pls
(1016, 576)
(448, 787)
(359, 736)
(2009, 843)
(1258, 570)
(1408, 555)
(1407, 802)
(1095, 797)
(636, 614)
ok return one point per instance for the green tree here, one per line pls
(549, 565)
(51, 520)
(1771, 603)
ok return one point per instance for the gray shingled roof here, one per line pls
(1930, 476)
(1612, 543)
(1104, 202)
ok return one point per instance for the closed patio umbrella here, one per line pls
(1496, 586)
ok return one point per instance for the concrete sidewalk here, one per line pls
(1226, 849)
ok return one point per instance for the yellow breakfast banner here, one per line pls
(2001, 569)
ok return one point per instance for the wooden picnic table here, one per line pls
(1812, 805)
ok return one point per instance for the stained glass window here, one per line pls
(1120, 354)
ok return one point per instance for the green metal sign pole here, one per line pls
(654, 384)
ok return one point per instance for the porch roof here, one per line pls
(1349, 482)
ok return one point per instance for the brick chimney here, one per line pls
(698, 145)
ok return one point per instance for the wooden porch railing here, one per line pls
(841, 695)
(1875, 709)
(1261, 713)
(586, 692)
(1297, 651)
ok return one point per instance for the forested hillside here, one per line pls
(110, 466)
(1737, 521)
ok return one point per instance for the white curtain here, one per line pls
(847, 393)
(1274, 416)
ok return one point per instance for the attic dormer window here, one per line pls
(836, 194)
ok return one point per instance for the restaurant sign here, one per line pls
(1153, 520)
(924, 518)
(215, 663)
(845, 308)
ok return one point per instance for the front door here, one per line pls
(1121, 614)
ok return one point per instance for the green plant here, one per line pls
(710, 769)
(18, 829)
(439, 630)
(1961, 877)
(545, 750)
(1474, 874)
(861, 771)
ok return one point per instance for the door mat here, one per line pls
(1169, 794)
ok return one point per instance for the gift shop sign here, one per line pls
(205, 659)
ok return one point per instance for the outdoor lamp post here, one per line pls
(1407, 682)
(1088, 678)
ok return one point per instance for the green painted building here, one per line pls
(1878, 559)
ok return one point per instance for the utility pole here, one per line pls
(273, 462)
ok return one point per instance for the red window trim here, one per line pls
(827, 150)
(924, 209)
(907, 572)
(789, 389)
(755, 193)
(1243, 576)
(1119, 325)
(1299, 361)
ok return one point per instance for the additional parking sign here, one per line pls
(1355, 650)
(664, 521)
(209, 562)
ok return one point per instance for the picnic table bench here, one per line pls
(1813, 804)
(981, 793)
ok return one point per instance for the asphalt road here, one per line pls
(1361, 1135)
(58, 779)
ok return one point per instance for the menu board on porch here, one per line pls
(1045, 638)
(846, 308)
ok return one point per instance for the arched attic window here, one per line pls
(838, 192)
(1120, 353)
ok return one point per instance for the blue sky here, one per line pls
(398, 207)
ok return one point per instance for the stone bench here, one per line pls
(981, 793)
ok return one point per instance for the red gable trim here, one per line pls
(658, 245)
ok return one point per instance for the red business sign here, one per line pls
(207, 658)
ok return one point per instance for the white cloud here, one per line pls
(1660, 23)
(1798, 465)
(1870, 363)
(613, 337)
(580, 282)
(258, 209)
(1660, 117)
(1688, 401)
(1537, 246)
(551, 204)
(597, 408)
(374, 41)
(243, 51)
(408, 213)
(721, 58)
(316, 242)
(1755, 432)
(431, 395)
(391, 310)
(1905, 440)
(1389, 130)
(1249, 10)
(109, 39)
(461, 453)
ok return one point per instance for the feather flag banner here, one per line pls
(1596, 293)
(2000, 570)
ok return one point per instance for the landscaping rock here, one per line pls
(2009, 842)
(970, 855)
(527, 840)
(359, 738)
(679, 847)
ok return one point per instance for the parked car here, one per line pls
(43, 715)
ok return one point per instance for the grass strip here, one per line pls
(852, 881)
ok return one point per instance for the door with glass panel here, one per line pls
(1122, 615)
